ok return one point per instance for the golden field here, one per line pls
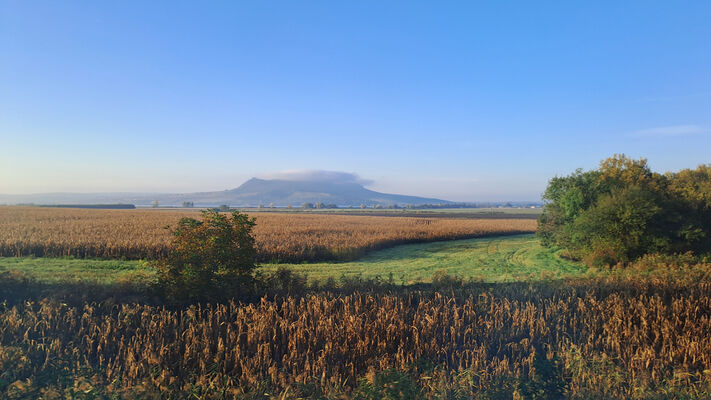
(614, 339)
(134, 234)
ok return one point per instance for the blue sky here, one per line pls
(457, 100)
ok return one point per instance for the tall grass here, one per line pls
(603, 338)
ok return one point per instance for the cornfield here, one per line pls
(627, 338)
(135, 234)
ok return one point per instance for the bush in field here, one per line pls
(623, 210)
(442, 281)
(211, 258)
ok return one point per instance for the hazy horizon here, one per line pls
(293, 175)
(463, 102)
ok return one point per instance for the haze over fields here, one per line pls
(290, 189)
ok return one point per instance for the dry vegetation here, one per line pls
(133, 234)
(621, 338)
(639, 333)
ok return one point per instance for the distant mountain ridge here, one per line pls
(284, 192)
(251, 193)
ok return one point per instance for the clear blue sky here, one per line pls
(457, 100)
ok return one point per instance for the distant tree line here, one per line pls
(507, 204)
(623, 210)
(94, 206)
(318, 205)
(426, 206)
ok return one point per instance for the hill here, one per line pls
(254, 192)
(284, 192)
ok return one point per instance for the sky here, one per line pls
(466, 101)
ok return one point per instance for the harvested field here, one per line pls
(135, 234)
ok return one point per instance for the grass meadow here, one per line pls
(499, 259)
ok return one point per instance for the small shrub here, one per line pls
(211, 259)
(441, 280)
(286, 282)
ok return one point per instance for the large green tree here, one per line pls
(624, 210)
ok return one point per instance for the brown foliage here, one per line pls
(133, 234)
(601, 339)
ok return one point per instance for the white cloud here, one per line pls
(673, 130)
(317, 175)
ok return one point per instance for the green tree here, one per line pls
(624, 210)
(620, 227)
(692, 188)
(211, 259)
(566, 198)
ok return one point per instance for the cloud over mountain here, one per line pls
(317, 175)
